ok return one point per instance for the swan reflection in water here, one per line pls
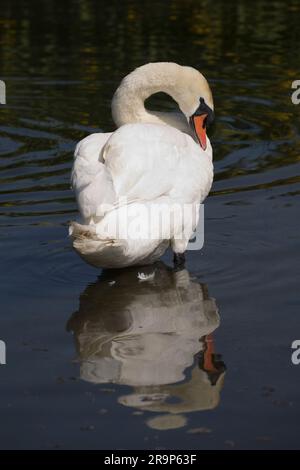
(151, 328)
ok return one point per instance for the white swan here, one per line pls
(132, 185)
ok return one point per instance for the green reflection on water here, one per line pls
(63, 60)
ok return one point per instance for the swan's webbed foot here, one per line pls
(179, 260)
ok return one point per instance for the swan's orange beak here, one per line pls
(199, 125)
(200, 120)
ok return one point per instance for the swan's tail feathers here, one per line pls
(101, 253)
(77, 231)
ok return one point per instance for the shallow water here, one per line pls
(93, 363)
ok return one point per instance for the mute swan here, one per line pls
(138, 189)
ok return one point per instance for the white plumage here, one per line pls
(143, 173)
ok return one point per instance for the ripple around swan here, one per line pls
(43, 264)
(36, 152)
(250, 154)
(35, 164)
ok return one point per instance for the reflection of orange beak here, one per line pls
(199, 127)
(208, 354)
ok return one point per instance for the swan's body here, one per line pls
(151, 164)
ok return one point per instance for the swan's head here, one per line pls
(195, 100)
(185, 84)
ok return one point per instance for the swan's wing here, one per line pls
(147, 161)
(91, 180)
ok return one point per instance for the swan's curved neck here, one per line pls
(128, 101)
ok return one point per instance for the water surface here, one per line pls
(101, 360)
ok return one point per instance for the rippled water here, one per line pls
(224, 380)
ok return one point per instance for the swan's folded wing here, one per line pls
(91, 180)
(138, 162)
(143, 159)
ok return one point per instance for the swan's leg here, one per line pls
(179, 260)
(179, 245)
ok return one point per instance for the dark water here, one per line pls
(97, 364)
